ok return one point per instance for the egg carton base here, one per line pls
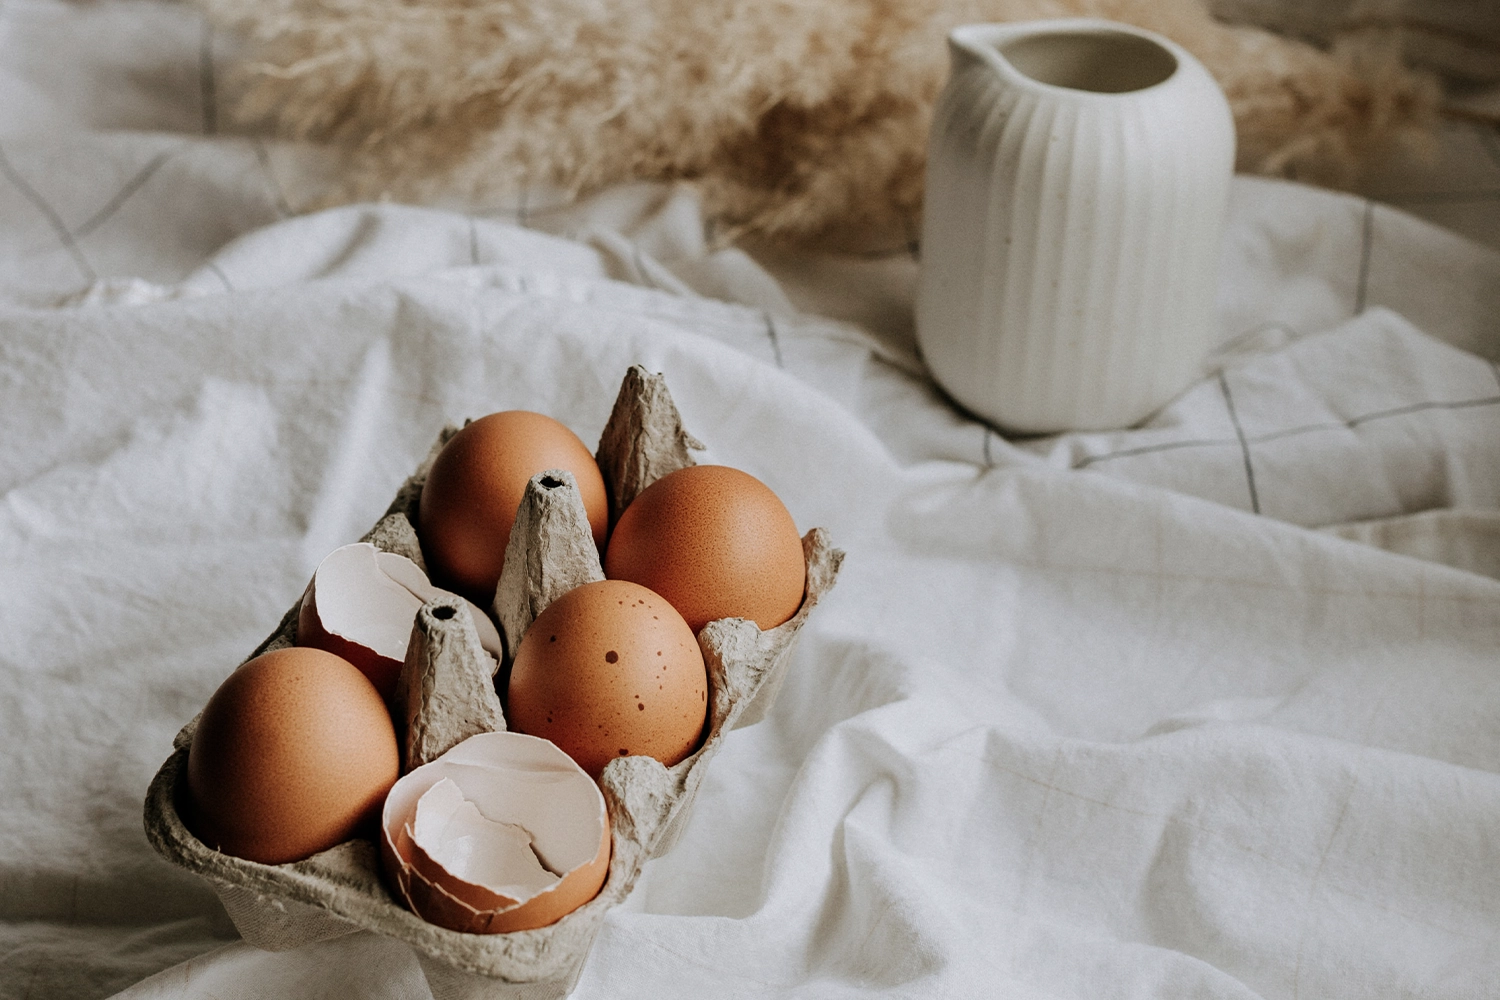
(340, 891)
(448, 983)
(273, 924)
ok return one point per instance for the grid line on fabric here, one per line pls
(522, 213)
(1239, 431)
(910, 249)
(1401, 411)
(1270, 324)
(273, 184)
(775, 339)
(131, 186)
(1312, 888)
(473, 240)
(1482, 604)
(1366, 241)
(228, 286)
(989, 460)
(208, 90)
(59, 228)
(1350, 423)
(1489, 138)
(1043, 809)
(639, 263)
(1147, 449)
(1324, 425)
(1444, 197)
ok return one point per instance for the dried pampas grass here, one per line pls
(801, 120)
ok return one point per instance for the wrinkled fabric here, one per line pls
(1209, 707)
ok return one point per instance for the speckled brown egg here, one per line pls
(469, 501)
(293, 754)
(716, 543)
(609, 669)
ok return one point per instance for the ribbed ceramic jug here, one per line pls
(1077, 182)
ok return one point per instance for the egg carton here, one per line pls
(447, 693)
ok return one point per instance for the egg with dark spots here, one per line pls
(582, 666)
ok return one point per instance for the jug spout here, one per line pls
(977, 46)
(961, 55)
(965, 51)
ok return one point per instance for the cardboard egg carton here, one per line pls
(447, 693)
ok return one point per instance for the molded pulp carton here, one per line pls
(447, 693)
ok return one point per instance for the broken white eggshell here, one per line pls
(450, 832)
(502, 833)
(360, 605)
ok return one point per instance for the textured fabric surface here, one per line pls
(1209, 707)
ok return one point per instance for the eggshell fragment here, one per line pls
(360, 605)
(502, 833)
(411, 576)
(394, 533)
(464, 845)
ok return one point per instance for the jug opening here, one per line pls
(1101, 61)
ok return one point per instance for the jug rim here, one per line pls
(984, 41)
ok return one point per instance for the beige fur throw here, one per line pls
(798, 119)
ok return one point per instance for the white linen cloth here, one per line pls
(1076, 721)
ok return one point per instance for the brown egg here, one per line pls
(609, 670)
(716, 543)
(469, 501)
(293, 754)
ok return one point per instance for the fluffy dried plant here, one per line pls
(798, 119)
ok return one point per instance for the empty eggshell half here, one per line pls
(360, 605)
(502, 833)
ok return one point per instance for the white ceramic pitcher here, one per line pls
(1077, 181)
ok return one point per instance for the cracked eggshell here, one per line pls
(502, 833)
(410, 576)
(360, 605)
